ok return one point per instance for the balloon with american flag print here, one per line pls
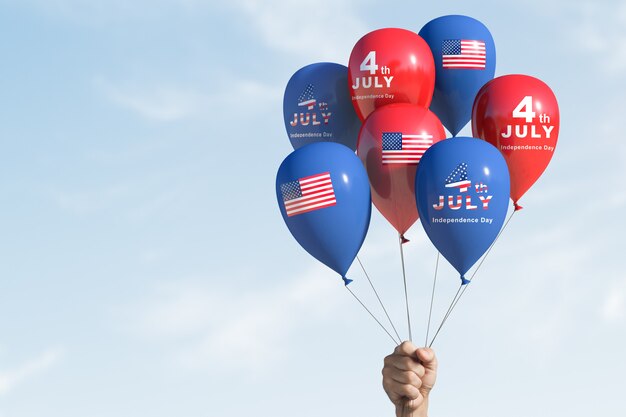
(462, 190)
(324, 197)
(391, 144)
(465, 59)
(317, 106)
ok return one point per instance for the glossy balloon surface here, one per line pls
(391, 144)
(324, 197)
(390, 66)
(462, 189)
(519, 115)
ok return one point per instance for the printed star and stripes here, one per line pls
(401, 148)
(308, 194)
(458, 178)
(481, 188)
(306, 98)
(463, 54)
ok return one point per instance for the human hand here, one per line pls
(409, 374)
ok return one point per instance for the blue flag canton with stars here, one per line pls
(459, 174)
(291, 190)
(451, 47)
(392, 141)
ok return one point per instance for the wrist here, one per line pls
(421, 411)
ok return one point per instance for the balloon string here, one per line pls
(463, 288)
(432, 299)
(406, 295)
(446, 315)
(379, 300)
(370, 313)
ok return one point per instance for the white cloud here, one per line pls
(614, 306)
(602, 32)
(83, 202)
(11, 378)
(162, 103)
(134, 198)
(327, 29)
(101, 12)
(597, 28)
(238, 329)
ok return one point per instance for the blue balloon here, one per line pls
(324, 196)
(462, 188)
(317, 106)
(458, 43)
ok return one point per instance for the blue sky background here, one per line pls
(144, 266)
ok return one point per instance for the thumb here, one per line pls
(427, 358)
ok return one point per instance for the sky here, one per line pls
(145, 269)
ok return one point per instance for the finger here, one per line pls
(403, 377)
(405, 348)
(427, 358)
(403, 363)
(388, 386)
(398, 390)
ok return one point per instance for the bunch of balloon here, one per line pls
(390, 105)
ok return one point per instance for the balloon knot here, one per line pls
(517, 206)
(404, 240)
(346, 281)
(464, 281)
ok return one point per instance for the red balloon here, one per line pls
(519, 115)
(390, 66)
(391, 143)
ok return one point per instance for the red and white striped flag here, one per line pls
(463, 54)
(308, 194)
(402, 148)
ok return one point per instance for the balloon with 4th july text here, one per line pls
(391, 143)
(390, 66)
(462, 188)
(465, 59)
(519, 115)
(324, 198)
(317, 106)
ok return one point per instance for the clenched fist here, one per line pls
(408, 376)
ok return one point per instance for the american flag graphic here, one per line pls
(485, 201)
(458, 178)
(306, 98)
(463, 54)
(400, 148)
(481, 188)
(308, 194)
